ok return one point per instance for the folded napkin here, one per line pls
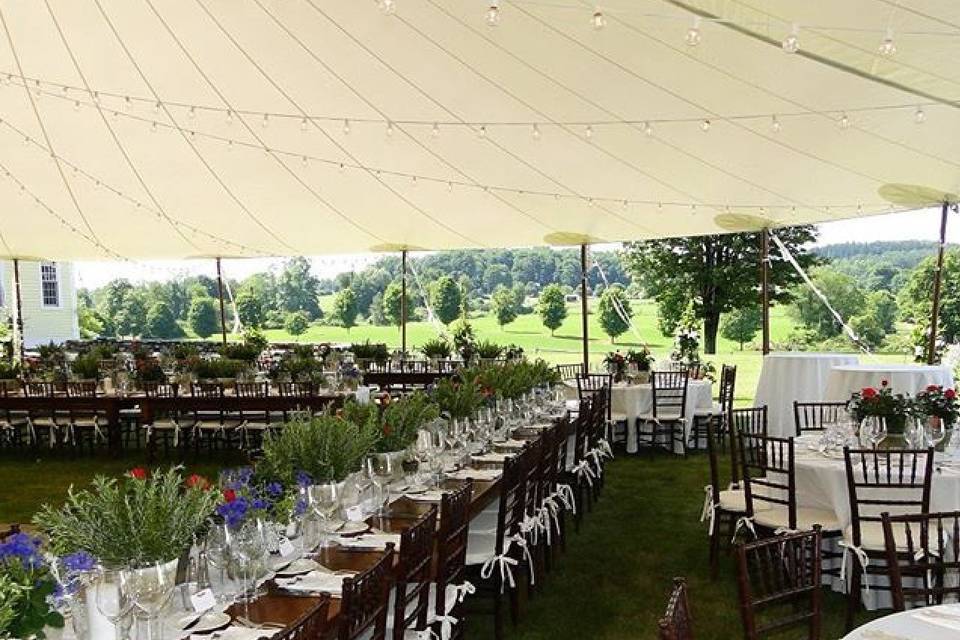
(370, 541)
(427, 496)
(511, 444)
(234, 632)
(314, 581)
(491, 457)
(476, 474)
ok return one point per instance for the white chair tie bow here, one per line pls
(522, 543)
(531, 526)
(564, 494)
(462, 590)
(596, 455)
(503, 562)
(861, 557)
(927, 554)
(447, 623)
(32, 430)
(605, 449)
(585, 471)
(709, 508)
(743, 522)
(545, 513)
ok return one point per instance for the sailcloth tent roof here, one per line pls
(183, 128)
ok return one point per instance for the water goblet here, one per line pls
(151, 589)
(325, 502)
(934, 431)
(112, 594)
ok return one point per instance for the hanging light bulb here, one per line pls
(303, 159)
(493, 14)
(76, 105)
(775, 125)
(705, 125)
(156, 107)
(536, 132)
(229, 116)
(153, 127)
(599, 21)
(266, 120)
(435, 132)
(588, 132)
(346, 127)
(647, 129)
(192, 113)
(791, 44)
(303, 125)
(389, 128)
(887, 46)
(483, 131)
(127, 102)
(693, 33)
(387, 6)
(919, 116)
(844, 121)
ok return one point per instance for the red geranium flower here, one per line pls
(950, 393)
(138, 473)
(868, 392)
(933, 387)
(884, 383)
(196, 481)
(229, 495)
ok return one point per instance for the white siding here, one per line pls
(42, 324)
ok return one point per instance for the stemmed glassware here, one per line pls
(112, 593)
(935, 431)
(873, 430)
(151, 589)
(249, 549)
(219, 547)
(325, 502)
(381, 469)
(914, 434)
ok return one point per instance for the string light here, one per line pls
(887, 46)
(536, 132)
(599, 21)
(775, 125)
(229, 116)
(153, 127)
(156, 107)
(435, 132)
(647, 129)
(482, 132)
(266, 120)
(389, 129)
(588, 132)
(493, 14)
(919, 116)
(693, 33)
(387, 6)
(705, 125)
(193, 112)
(844, 121)
(76, 105)
(791, 44)
(346, 127)
(303, 125)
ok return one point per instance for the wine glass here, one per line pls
(219, 548)
(422, 450)
(914, 434)
(935, 431)
(381, 469)
(112, 595)
(151, 588)
(249, 550)
(325, 501)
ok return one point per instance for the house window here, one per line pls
(49, 284)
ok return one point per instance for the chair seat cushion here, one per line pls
(871, 536)
(778, 517)
(714, 410)
(733, 500)
(216, 425)
(618, 417)
(666, 416)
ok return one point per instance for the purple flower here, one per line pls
(300, 506)
(23, 549)
(234, 512)
(274, 489)
(303, 478)
(79, 562)
(260, 504)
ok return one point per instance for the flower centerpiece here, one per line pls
(639, 363)
(686, 346)
(881, 403)
(616, 365)
(396, 422)
(937, 403)
(26, 589)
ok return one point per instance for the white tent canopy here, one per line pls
(184, 128)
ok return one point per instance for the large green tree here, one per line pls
(345, 308)
(297, 288)
(131, 320)
(162, 323)
(741, 325)
(296, 323)
(504, 303)
(552, 307)
(203, 316)
(916, 296)
(614, 311)
(840, 289)
(719, 273)
(250, 310)
(445, 299)
(392, 304)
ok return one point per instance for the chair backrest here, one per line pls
(160, 390)
(728, 386)
(669, 393)
(752, 420)
(769, 479)
(779, 585)
(582, 428)
(366, 600)
(510, 509)
(296, 389)
(533, 459)
(893, 480)
(564, 430)
(411, 603)
(676, 623)
(35, 389)
(570, 371)
(452, 547)
(596, 384)
(309, 626)
(254, 390)
(814, 416)
(923, 557)
(83, 389)
(206, 390)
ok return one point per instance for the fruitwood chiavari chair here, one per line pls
(366, 600)
(215, 427)
(814, 416)
(578, 472)
(570, 371)
(13, 424)
(719, 412)
(751, 420)
(169, 424)
(298, 390)
(778, 581)
(411, 604)
(532, 524)
(450, 587)
(722, 507)
(923, 556)
(86, 425)
(309, 626)
(255, 422)
(878, 481)
(668, 414)
(677, 622)
(42, 421)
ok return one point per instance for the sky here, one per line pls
(914, 225)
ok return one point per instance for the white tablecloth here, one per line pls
(916, 624)
(903, 378)
(634, 400)
(786, 377)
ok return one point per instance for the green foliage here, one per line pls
(366, 350)
(445, 298)
(250, 310)
(86, 365)
(916, 296)
(552, 307)
(458, 397)
(296, 323)
(840, 289)
(869, 330)
(615, 311)
(396, 423)
(718, 273)
(465, 340)
(297, 288)
(131, 319)
(90, 323)
(161, 323)
(741, 325)
(130, 522)
(203, 316)
(247, 351)
(218, 368)
(24, 601)
(392, 301)
(345, 308)
(511, 379)
(489, 350)
(505, 307)
(883, 306)
(9, 370)
(327, 447)
(437, 348)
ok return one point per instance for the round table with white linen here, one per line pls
(635, 400)
(927, 623)
(790, 376)
(902, 378)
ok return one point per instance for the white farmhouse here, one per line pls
(48, 294)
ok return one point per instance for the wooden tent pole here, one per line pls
(765, 287)
(585, 332)
(403, 303)
(18, 323)
(937, 283)
(223, 315)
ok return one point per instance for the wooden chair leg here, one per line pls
(853, 598)
(715, 548)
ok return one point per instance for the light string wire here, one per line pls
(621, 312)
(43, 129)
(113, 134)
(139, 206)
(431, 316)
(885, 207)
(414, 86)
(213, 173)
(68, 91)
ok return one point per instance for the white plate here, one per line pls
(208, 622)
(299, 567)
(352, 528)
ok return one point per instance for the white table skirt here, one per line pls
(911, 625)
(634, 400)
(790, 376)
(904, 378)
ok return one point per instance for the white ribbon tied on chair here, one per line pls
(585, 471)
(459, 592)
(531, 526)
(564, 494)
(861, 557)
(596, 455)
(605, 449)
(926, 554)
(743, 522)
(32, 430)
(545, 513)
(522, 543)
(709, 508)
(503, 562)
